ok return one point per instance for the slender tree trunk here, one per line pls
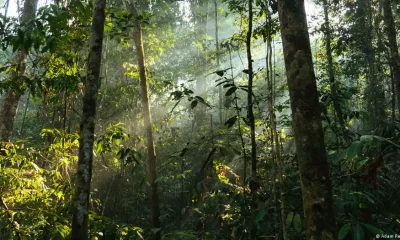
(393, 93)
(6, 7)
(380, 76)
(374, 92)
(309, 138)
(331, 72)
(80, 219)
(277, 156)
(201, 25)
(151, 152)
(238, 110)
(24, 117)
(394, 51)
(9, 108)
(218, 61)
(250, 118)
(276, 151)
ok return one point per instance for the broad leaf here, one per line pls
(230, 91)
(231, 121)
(260, 215)
(373, 229)
(194, 103)
(358, 232)
(183, 152)
(354, 150)
(344, 231)
(297, 223)
(289, 219)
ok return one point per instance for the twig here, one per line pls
(14, 224)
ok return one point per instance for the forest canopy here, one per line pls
(199, 119)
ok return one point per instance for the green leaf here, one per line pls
(161, 179)
(260, 215)
(373, 229)
(297, 223)
(220, 73)
(289, 219)
(231, 121)
(60, 194)
(99, 146)
(155, 230)
(194, 103)
(138, 229)
(358, 232)
(223, 82)
(230, 91)
(366, 138)
(200, 99)
(344, 231)
(354, 150)
(380, 139)
(339, 157)
(183, 152)
(228, 85)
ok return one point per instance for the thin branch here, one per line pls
(14, 224)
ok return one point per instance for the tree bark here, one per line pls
(218, 61)
(276, 150)
(80, 218)
(394, 51)
(250, 118)
(309, 138)
(9, 108)
(151, 152)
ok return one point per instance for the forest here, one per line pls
(199, 119)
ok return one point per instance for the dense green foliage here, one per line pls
(198, 95)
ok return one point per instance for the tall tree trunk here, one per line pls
(276, 150)
(80, 219)
(393, 93)
(394, 51)
(250, 118)
(199, 10)
(151, 152)
(24, 116)
(331, 72)
(218, 61)
(374, 91)
(309, 138)
(10, 104)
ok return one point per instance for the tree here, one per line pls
(309, 138)
(374, 93)
(218, 59)
(10, 104)
(331, 71)
(394, 51)
(276, 147)
(250, 116)
(148, 126)
(80, 219)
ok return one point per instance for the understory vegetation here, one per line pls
(199, 119)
